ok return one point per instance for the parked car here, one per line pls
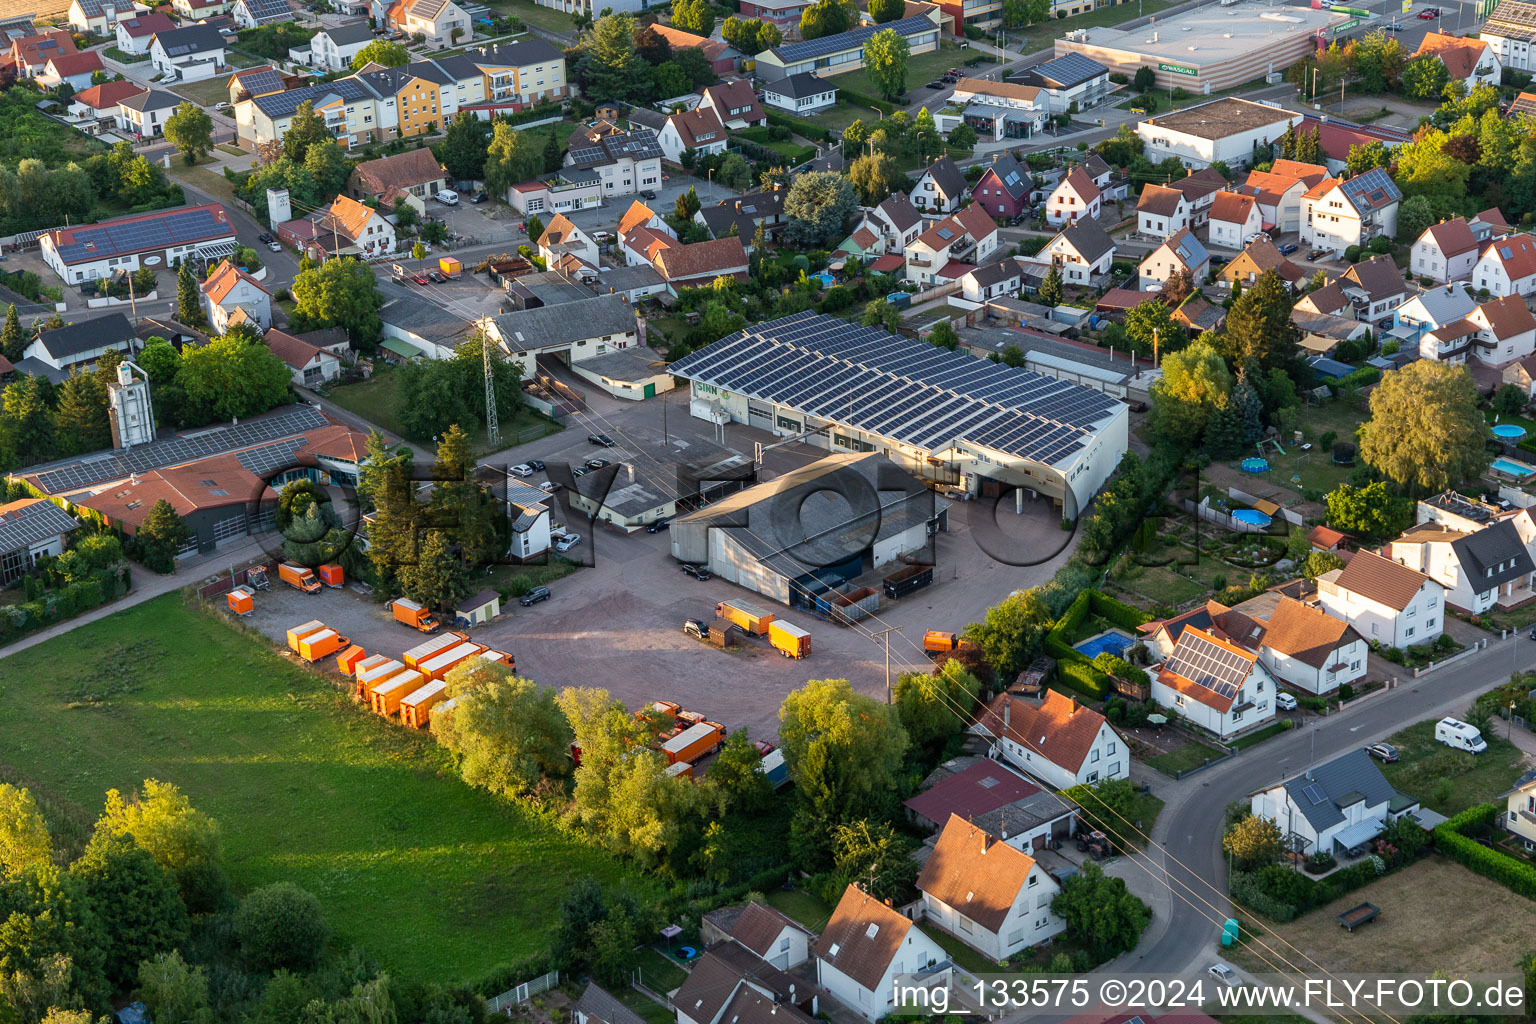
(521, 469)
(1288, 248)
(1384, 752)
(275, 246)
(580, 471)
(1285, 702)
(657, 526)
(448, 197)
(479, 197)
(567, 541)
(698, 572)
(764, 748)
(438, 276)
(696, 628)
(597, 463)
(534, 596)
(1429, 13)
(648, 194)
(1222, 972)
(550, 486)
(421, 278)
(537, 464)
(602, 439)
(1318, 254)
(935, 85)
(264, 238)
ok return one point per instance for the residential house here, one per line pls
(1507, 266)
(570, 189)
(996, 110)
(774, 938)
(414, 173)
(939, 188)
(1226, 129)
(31, 528)
(1161, 635)
(864, 946)
(1522, 374)
(967, 237)
(198, 10)
(989, 895)
(1256, 259)
(1510, 30)
(441, 22)
(31, 54)
(1183, 251)
(74, 68)
(1235, 218)
(1098, 171)
(642, 233)
(98, 17)
(895, 222)
(723, 58)
(1279, 192)
(54, 353)
(1200, 189)
(1479, 569)
(574, 331)
(782, 14)
(990, 281)
(730, 984)
(1197, 316)
(134, 33)
(188, 54)
(562, 237)
(346, 227)
(334, 47)
(1519, 803)
(627, 162)
(801, 94)
(1336, 807)
(995, 797)
(1450, 343)
(701, 263)
(1385, 601)
(1446, 251)
(143, 114)
(699, 130)
(90, 251)
(1472, 62)
(1084, 253)
(99, 102)
(1430, 310)
(309, 364)
(1003, 189)
(734, 103)
(229, 288)
(256, 13)
(1329, 300)
(1076, 198)
(1215, 683)
(514, 74)
(597, 1006)
(746, 213)
(1338, 214)
(1070, 82)
(1506, 331)
(1161, 212)
(1322, 333)
(1309, 649)
(1375, 287)
(1057, 741)
(262, 80)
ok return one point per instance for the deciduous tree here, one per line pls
(382, 51)
(506, 732)
(883, 11)
(1253, 842)
(1424, 77)
(875, 176)
(338, 293)
(182, 839)
(885, 61)
(464, 145)
(1100, 913)
(510, 158)
(818, 206)
(280, 926)
(1195, 383)
(875, 856)
(1425, 432)
(231, 377)
(306, 129)
(190, 130)
(24, 839)
(933, 708)
(1370, 513)
(144, 913)
(1011, 633)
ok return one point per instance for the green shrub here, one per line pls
(1451, 840)
(885, 107)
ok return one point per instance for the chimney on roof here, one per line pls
(1007, 711)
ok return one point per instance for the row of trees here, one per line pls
(622, 59)
(33, 195)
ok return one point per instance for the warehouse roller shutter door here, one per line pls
(759, 416)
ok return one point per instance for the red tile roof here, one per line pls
(1521, 259)
(1232, 207)
(1459, 55)
(223, 280)
(862, 937)
(975, 873)
(984, 786)
(716, 257)
(1452, 237)
(1059, 729)
(1381, 580)
(73, 64)
(413, 167)
(106, 95)
(698, 127)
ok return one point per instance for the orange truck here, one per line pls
(680, 770)
(298, 633)
(694, 742)
(387, 693)
(414, 615)
(360, 668)
(790, 640)
(298, 577)
(750, 618)
(427, 648)
(331, 575)
(449, 266)
(416, 708)
(439, 665)
(320, 644)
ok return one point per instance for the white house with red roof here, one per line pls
(734, 103)
(699, 129)
(1075, 198)
(1472, 62)
(1507, 266)
(74, 68)
(99, 102)
(1338, 214)
(134, 34)
(229, 288)
(1445, 252)
(864, 946)
(1235, 218)
(966, 238)
(1506, 331)
(1057, 741)
(1215, 683)
(1386, 601)
(309, 364)
(1279, 191)
(1161, 212)
(642, 233)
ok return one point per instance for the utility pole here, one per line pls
(886, 635)
(492, 429)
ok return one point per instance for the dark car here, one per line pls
(263, 238)
(534, 596)
(696, 628)
(602, 439)
(597, 463)
(1317, 254)
(1382, 752)
(648, 194)
(480, 196)
(657, 526)
(935, 85)
(580, 471)
(1288, 248)
(537, 464)
(698, 572)
(1429, 12)
(438, 276)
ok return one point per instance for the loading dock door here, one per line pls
(759, 416)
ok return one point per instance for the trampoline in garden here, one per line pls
(1253, 464)
(1251, 516)
(1508, 431)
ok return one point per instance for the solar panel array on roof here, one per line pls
(922, 396)
(143, 234)
(812, 48)
(1372, 189)
(1071, 69)
(39, 521)
(266, 12)
(173, 451)
(1313, 792)
(265, 81)
(1208, 664)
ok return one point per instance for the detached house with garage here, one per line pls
(1161, 212)
(940, 188)
(1215, 683)
(1479, 569)
(309, 364)
(1075, 198)
(1507, 266)
(991, 280)
(1083, 252)
(1384, 601)
(989, 895)
(134, 33)
(1057, 741)
(188, 54)
(1181, 252)
(1235, 218)
(1257, 258)
(562, 237)
(864, 946)
(1445, 252)
(1336, 807)
(1311, 650)
(946, 251)
(1338, 214)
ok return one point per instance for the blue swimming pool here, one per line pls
(1114, 642)
(1512, 468)
(1251, 516)
(1508, 431)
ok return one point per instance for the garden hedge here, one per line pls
(1451, 840)
(805, 129)
(861, 100)
(1074, 669)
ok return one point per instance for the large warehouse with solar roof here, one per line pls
(945, 416)
(92, 251)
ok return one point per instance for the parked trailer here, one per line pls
(332, 575)
(499, 658)
(360, 672)
(414, 615)
(750, 618)
(322, 644)
(298, 633)
(903, 581)
(936, 641)
(439, 710)
(1354, 917)
(387, 693)
(773, 766)
(298, 577)
(439, 665)
(348, 660)
(694, 742)
(450, 266)
(680, 770)
(790, 639)
(241, 600)
(427, 648)
(366, 677)
(417, 705)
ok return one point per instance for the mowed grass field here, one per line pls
(434, 878)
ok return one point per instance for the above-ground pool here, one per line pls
(1512, 468)
(1113, 641)
(1508, 431)
(1251, 516)
(1253, 464)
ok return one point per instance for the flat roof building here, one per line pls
(92, 251)
(1225, 129)
(844, 51)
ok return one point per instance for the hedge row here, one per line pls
(860, 99)
(1451, 840)
(805, 129)
(1082, 677)
(1073, 668)
(66, 602)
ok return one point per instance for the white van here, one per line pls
(448, 197)
(1460, 736)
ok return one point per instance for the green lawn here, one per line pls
(845, 113)
(436, 880)
(1316, 468)
(375, 400)
(1273, 729)
(210, 92)
(546, 18)
(657, 973)
(921, 68)
(801, 906)
(1191, 755)
(1447, 780)
(964, 956)
(645, 1006)
(201, 177)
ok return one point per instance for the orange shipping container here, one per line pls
(240, 600)
(388, 692)
(318, 645)
(749, 617)
(694, 742)
(416, 706)
(347, 661)
(360, 670)
(427, 648)
(440, 665)
(298, 633)
(499, 658)
(680, 770)
(331, 574)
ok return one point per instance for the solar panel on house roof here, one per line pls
(1070, 69)
(1208, 664)
(796, 52)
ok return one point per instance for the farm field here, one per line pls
(435, 879)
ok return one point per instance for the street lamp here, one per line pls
(1510, 735)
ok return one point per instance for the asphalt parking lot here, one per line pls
(490, 222)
